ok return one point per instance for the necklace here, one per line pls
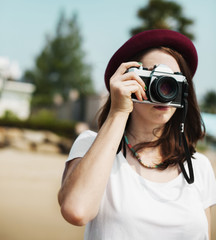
(138, 157)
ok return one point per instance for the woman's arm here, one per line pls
(86, 179)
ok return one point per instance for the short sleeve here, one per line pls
(206, 180)
(80, 147)
(82, 144)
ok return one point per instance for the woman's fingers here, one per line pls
(131, 78)
(125, 66)
(122, 71)
(123, 84)
(136, 88)
(135, 77)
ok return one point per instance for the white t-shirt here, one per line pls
(134, 208)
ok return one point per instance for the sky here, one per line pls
(104, 26)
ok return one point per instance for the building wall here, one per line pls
(82, 109)
(15, 97)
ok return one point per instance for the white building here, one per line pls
(15, 96)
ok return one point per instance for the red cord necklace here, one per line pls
(138, 157)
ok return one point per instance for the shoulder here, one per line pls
(205, 179)
(201, 157)
(86, 138)
(203, 169)
(88, 134)
(201, 161)
(201, 164)
(81, 145)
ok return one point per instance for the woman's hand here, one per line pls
(122, 85)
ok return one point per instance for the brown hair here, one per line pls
(170, 149)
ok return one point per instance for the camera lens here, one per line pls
(164, 89)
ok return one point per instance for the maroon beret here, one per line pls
(150, 39)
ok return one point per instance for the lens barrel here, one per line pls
(164, 89)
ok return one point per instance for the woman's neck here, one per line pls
(143, 132)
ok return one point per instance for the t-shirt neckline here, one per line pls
(173, 181)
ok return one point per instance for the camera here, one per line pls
(164, 87)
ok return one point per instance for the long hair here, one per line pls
(170, 149)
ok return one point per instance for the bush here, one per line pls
(43, 120)
(9, 115)
(41, 100)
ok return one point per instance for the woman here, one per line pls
(126, 181)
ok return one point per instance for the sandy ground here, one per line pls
(28, 197)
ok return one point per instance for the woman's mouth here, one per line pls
(162, 108)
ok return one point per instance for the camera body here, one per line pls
(163, 86)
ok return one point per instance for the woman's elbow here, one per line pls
(75, 215)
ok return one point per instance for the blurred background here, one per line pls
(53, 55)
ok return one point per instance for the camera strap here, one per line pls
(182, 139)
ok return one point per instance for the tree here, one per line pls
(60, 66)
(209, 102)
(161, 14)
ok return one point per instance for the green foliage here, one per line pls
(43, 115)
(209, 102)
(202, 147)
(162, 14)
(43, 120)
(8, 115)
(41, 100)
(47, 120)
(60, 66)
